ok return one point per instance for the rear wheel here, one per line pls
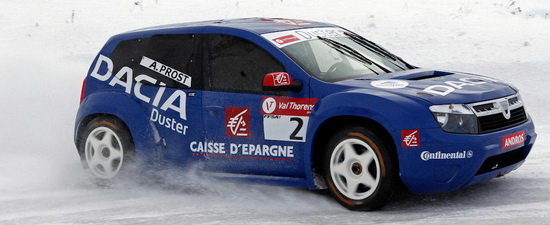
(106, 148)
(358, 169)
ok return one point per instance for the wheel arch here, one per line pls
(384, 111)
(324, 130)
(88, 118)
(146, 139)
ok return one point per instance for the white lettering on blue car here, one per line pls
(248, 151)
(176, 101)
(426, 155)
(168, 122)
(451, 86)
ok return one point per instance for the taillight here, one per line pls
(83, 91)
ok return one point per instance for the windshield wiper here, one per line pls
(373, 46)
(344, 49)
(379, 50)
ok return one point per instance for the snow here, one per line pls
(45, 52)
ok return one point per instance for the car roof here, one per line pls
(255, 25)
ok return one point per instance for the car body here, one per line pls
(233, 126)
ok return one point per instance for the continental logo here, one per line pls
(426, 155)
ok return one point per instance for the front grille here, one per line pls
(484, 107)
(513, 100)
(491, 113)
(497, 121)
(503, 160)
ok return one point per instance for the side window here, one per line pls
(128, 53)
(169, 59)
(237, 65)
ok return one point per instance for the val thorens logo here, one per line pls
(410, 138)
(237, 120)
(269, 105)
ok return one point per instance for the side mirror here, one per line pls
(280, 81)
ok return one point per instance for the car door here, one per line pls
(169, 86)
(239, 117)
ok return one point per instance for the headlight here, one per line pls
(455, 118)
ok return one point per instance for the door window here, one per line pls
(238, 65)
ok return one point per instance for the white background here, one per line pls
(45, 53)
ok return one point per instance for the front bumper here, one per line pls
(446, 162)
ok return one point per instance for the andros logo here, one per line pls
(513, 140)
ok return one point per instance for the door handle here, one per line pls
(213, 108)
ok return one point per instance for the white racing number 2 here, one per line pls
(286, 119)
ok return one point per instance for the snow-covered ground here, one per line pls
(47, 46)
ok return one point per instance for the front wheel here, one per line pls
(359, 169)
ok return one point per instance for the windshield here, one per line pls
(338, 55)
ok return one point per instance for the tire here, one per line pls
(106, 148)
(359, 169)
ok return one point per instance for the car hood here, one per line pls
(437, 87)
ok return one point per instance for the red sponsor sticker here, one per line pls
(237, 121)
(513, 140)
(410, 138)
(288, 106)
(277, 79)
(281, 79)
(286, 39)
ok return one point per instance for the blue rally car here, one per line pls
(293, 102)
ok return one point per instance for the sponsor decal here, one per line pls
(426, 155)
(248, 151)
(281, 79)
(168, 122)
(513, 140)
(237, 120)
(410, 138)
(288, 106)
(269, 105)
(277, 79)
(103, 71)
(451, 86)
(288, 37)
(286, 119)
(288, 22)
(389, 84)
(166, 71)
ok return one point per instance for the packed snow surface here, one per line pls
(46, 48)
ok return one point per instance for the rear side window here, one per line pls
(169, 59)
(237, 65)
(128, 53)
